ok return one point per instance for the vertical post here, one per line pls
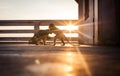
(80, 9)
(86, 14)
(36, 27)
(80, 17)
(95, 22)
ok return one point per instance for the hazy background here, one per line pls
(38, 9)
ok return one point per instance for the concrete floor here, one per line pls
(83, 60)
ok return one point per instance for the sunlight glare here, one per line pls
(37, 61)
(43, 27)
(69, 45)
(70, 57)
(71, 34)
(52, 35)
(68, 68)
(16, 27)
(69, 27)
(82, 59)
(69, 54)
(69, 75)
(17, 35)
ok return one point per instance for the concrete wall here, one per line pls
(108, 22)
(86, 24)
(108, 26)
(86, 28)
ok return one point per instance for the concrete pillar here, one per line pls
(107, 27)
(80, 17)
(80, 9)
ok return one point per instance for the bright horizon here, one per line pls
(68, 28)
(38, 9)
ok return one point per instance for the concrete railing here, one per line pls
(17, 31)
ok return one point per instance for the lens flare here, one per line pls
(68, 68)
(69, 54)
(68, 27)
(37, 61)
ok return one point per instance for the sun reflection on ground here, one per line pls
(59, 64)
(67, 45)
(69, 54)
(37, 61)
(85, 65)
(50, 69)
(68, 68)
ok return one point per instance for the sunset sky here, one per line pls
(38, 9)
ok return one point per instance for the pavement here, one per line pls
(68, 60)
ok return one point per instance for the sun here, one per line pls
(68, 27)
(71, 27)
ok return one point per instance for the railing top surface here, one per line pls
(42, 22)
